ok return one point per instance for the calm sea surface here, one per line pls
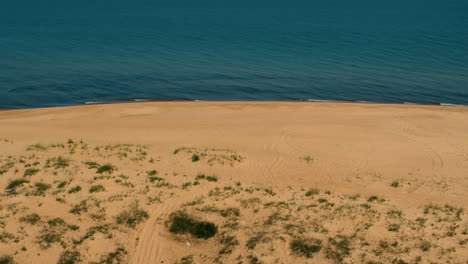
(73, 52)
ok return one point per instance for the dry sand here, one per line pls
(354, 183)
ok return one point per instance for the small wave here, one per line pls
(324, 101)
(91, 103)
(455, 105)
(140, 100)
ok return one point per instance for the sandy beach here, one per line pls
(283, 183)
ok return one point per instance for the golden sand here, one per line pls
(356, 182)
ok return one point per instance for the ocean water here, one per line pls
(73, 52)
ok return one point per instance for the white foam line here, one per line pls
(456, 105)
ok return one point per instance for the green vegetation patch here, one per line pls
(6, 260)
(181, 223)
(30, 218)
(70, 257)
(75, 189)
(91, 164)
(195, 157)
(107, 168)
(132, 217)
(57, 162)
(40, 188)
(312, 192)
(16, 183)
(97, 188)
(305, 247)
(37, 147)
(115, 257)
(30, 172)
(339, 247)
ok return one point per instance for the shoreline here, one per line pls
(284, 102)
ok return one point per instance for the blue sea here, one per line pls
(56, 52)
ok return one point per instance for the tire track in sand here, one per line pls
(151, 247)
(268, 170)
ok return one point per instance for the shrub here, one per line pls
(56, 222)
(373, 198)
(204, 230)
(37, 147)
(80, 207)
(322, 200)
(41, 188)
(57, 162)
(306, 247)
(425, 245)
(16, 183)
(75, 189)
(177, 150)
(228, 242)
(30, 172)
(69, 257)
(97, 188)
(30, 219)
(312, 192)
(73, 227)
(393, 227)
(395, 184)
(152, 173)
(47, 238)
(114, 257)
(233, 212)
(195, 158)
(6, 260)
(182, 223)
(91, 164)
(61, 184)
(155, 178)
(339, 247)
(212, 178)
(308, 159)
(107, 168)
(253, 259)
(185, 260)
(132, 217)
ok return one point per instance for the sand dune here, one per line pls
(283, 183)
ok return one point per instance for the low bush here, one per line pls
(6, 260)
(97, 188)
(339, 247)
(204, 230)
(75, 189)
(16, 183)
(132, 217)
(91, 164)
(182, 223)
(107, 168)
(30, 172)
(41, 188)
(306, 247)
(30, 219)
(57, 162)
(195, 158)
(212, 178)
(69, 257)
(312, 192)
